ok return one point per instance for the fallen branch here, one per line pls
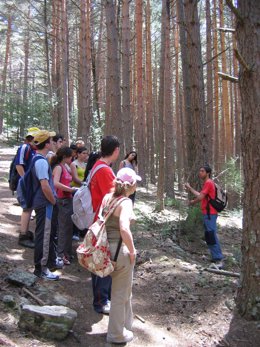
(33, 296)
(140, 318)
(223, 272)
(228, 77)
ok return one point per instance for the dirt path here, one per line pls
(182, 306)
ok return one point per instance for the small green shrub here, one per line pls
(192, 226)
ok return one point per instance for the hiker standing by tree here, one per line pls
(44, 198)
(101, 184)
(23, 159)
(209, 213)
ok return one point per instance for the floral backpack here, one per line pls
(93, 253)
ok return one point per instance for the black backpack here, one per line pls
(13, 173)
(220, 200)
(13, 176)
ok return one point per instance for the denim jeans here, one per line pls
(101, 291)
(210, 226)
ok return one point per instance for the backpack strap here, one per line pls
(113, 205)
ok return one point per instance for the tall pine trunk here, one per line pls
(248, 37)
(113, 107)
(141, 120)
(196, 123)
(4, 73)
(126, 110)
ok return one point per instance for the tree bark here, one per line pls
(149, 92)
(64, 126)
(197, 153)
(25, 79)
(141, 120)
(126, 107)
(209, 103)
(168, 110)
(85, 114)
(165, 17)
(216, 91)
(248, 37)
(4, 73)
(113, 109)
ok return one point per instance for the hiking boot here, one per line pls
(25, 240)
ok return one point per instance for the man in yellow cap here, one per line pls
(44, 198)
(23, 159)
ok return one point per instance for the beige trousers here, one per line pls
(121, 314)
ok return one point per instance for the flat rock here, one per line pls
(22, 278)
(52, 322)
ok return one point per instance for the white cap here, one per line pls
(128, 175)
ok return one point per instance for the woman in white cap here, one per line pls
(118, 226)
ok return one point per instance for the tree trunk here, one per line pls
(226, 150)
(216, 91)
(196, 133)
(64, 126)
(4, 73)
(248, 36)
(168, 110)
(113, 109)
(85, 115)
(25, 80)
(165, 17)
(149, 92)
(141, 121)
(209, 104)
(185, 73)
(126, 111)
(179, 115)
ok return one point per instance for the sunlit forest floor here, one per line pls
(176, 302)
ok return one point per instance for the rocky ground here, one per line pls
(176, 302)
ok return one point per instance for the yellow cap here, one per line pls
(42, 135)
(32, 131)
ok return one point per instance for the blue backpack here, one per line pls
(25, 191)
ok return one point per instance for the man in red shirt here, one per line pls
(209, 213)
(101, 184)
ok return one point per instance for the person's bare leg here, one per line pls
(26, 236)
(25, 220)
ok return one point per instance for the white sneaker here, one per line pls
(48, 275)
(59, 262)
(127, 337)
(106, 308)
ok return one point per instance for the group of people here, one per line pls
(58, 171)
